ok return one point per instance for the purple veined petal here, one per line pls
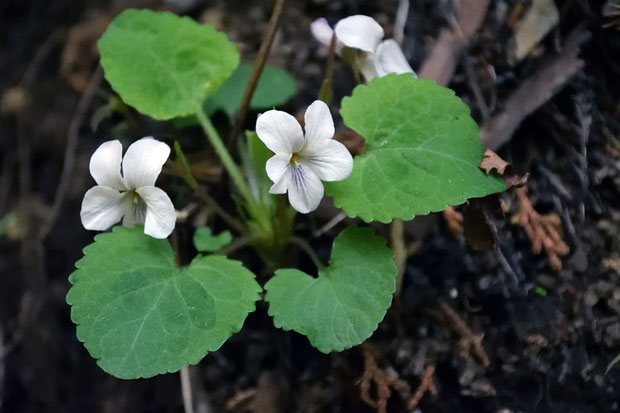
(359, 32)
(143, 162)
(280, 132)
(305, 189)
(160, 214)
(280, 186)
(390, 59)
(319, 125)
(276, 166)
(135, 210)
(105, 165)
(102, 207)
(331, 162)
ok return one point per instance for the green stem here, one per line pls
(309, 250)
(227, 161)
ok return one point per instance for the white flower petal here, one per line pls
(101, 208)
(322, 31)
(390, 59)
(368, 69)
(160, 214)
(105, 165)
(276, 166)
(281, 185)
(280, 132)
(359, 32)
(143, 162)
(305, 189)
(135, 210)
(332, 162)
(319, 125)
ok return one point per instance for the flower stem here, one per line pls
(227, 161)
(304, 245)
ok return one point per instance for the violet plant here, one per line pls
(139, 314)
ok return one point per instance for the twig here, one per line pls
(70, 149)
(542, 230)
(397, 238)
(471, 341)
(443, 58)
(426, 385)
(186, 390)
(384, 383)
(454, 221)
(257, 69)
(542, 85)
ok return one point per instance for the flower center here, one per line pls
(293, 159)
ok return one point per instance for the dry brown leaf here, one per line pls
(491, 161)
(471, 343)
(542, 230)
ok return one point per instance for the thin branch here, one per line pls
(257, 69)
(70, 149)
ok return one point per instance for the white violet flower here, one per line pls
(301, 163)
(363, 33)
(131, 196)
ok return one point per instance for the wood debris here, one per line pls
(471, 343)
(426, 386)
(454, 221)
(542, 230)
(378, 378)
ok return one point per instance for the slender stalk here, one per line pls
(397, 235)
(304, 245)
(186, 390)
(257, 69)
(230, 165)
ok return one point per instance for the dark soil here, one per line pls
(549, 335)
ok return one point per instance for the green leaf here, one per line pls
(140, 315)
(344, 305)
(422, 151)
(162, 64)
(275, 87)
(205, 241)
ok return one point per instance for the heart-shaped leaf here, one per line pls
(422, 151)
(344, 305)
(140, 315)
(162, 64)
(206, 241)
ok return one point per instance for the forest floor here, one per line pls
(507, 330)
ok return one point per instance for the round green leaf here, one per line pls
(162, 64)
(140, 315)
(344, 305)
(205, 241)
(422, 151)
